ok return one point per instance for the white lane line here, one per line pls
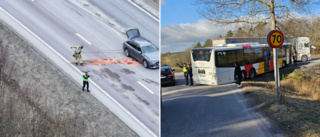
(64, 59)
(152, 16)
(145, 87)
(83, 38)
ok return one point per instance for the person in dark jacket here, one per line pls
(190, 74)
(238, 74)
(185, 72)
(86, 81)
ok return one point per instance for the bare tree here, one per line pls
(251, 11)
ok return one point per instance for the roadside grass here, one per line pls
(171, 59)
(298, 111)
(315, 55)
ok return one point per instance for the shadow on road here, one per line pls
(208, 111)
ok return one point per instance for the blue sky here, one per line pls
(182, 26)
(178, 11)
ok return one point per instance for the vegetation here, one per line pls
(229, 34)
(251, 11)
(171, 59)
(207, 43)
(198, 45)
(298, 111)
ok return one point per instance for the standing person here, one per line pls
(77, 54)
(185, 72)
(190, 74)
(295, 59)
(238, 74)
(85, 81)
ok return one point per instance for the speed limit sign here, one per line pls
(275, 38)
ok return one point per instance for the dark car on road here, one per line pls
(167, 76)
(141, 49)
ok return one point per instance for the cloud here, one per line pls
(163, 2)
(178, 37)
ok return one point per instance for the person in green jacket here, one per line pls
(185, 72)
(85, 81)
(77, 54)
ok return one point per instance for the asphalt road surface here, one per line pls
(54, 26)
(210, 111)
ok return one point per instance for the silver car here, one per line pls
(141, 49)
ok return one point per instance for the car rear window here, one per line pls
(165, 72)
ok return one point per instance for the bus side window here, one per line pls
(232, 57)
(248, 56)
(258, 53)
(240, 58)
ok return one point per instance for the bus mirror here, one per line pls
(173, 69)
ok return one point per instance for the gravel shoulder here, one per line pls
(38, 99)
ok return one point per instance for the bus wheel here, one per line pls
(304, 58)
(252, 73)
(244, 75)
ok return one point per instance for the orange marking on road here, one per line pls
(101, 62)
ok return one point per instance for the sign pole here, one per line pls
(275, 40)
(276, 70)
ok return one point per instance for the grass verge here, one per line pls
(298, 111)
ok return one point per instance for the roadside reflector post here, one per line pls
(275, 40)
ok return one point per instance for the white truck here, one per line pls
(300, 45)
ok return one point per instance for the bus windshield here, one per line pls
(201, 55)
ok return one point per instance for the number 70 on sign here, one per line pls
(275, 38)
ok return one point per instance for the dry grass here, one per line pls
(298, 111)
(171, 59)
(315, 55)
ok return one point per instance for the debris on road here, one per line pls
(128, 61)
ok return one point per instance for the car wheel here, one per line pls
(304, 58)
(126, 52)
(252, 73)
(145, 63)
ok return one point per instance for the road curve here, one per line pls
(210, 111)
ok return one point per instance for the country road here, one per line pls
(221, 110)
(210, 111)
(130, 91)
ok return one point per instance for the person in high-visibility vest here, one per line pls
(85, 81)
(190, 74)
(185, 72)
(77, 54)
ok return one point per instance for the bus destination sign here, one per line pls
(275, 38)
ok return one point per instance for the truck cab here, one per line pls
(302, 48)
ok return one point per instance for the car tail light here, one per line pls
(212, 83)
(170, 75)
(214, 74)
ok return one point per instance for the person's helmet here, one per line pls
(81, 46)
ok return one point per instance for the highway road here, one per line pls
(53, 27)
(210, 111)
